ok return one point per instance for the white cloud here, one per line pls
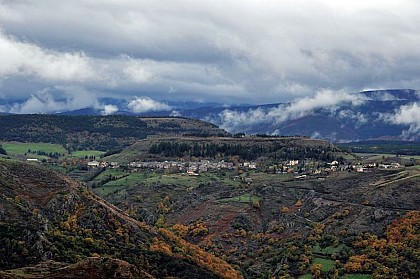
(19, 58)
(253, 52)
(24, 60)
(138, 71)
(236, 120)
(407, 115)
(58, 99)
(316, 135)
(175, 114)
(145, 104)
(38, 104)
(9, 15)
(356, 116)
(109, 109)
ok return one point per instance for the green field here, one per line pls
(326, 264)
(20, 148)
(270, 178)
(110, 172)
(108, 189)
(89, 153)
(169, 179)
(128, 180)
(327, 250)
(148, 177)
(124, 180)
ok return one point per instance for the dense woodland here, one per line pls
(75, 132)
(395, 255)
(103, 133)
(275, 150)
(383, 147)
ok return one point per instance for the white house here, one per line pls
(93, 164)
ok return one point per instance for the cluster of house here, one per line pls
(191, 168)
(368, 167)
(305, 170)
(310, 167)
(96, 164)
(289, 167)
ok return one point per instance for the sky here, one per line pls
(59, 55)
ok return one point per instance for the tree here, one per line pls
(316, 270)
(2, 150)
(395, 255)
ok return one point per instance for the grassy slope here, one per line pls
(83, 153)
(123, 180)
(20, 148)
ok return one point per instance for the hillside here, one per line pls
(97, 132)
(46, 217)
(242, 148)
(186, 203)
(271, 225)
(92, 268)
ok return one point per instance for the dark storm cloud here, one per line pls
(226, 51)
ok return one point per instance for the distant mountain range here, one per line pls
(371, 115)
(334, 116)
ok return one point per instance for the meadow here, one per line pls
(89, 153)
(20, 148)
(32, 150)
(117, 180)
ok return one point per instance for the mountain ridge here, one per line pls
(334, 116)
(351, 117)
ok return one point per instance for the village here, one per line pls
(299, 169)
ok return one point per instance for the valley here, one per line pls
(184, 199)
(209, 139)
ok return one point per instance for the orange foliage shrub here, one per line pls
(180, 229)
(360, 263)
(395, 256)
(316, 270)
(201, 257)
(160, 246)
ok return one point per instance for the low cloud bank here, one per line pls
(234, 121)
(407, 115)
(146, 104)
(60, 99)
(57, 99)
(109, 109)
